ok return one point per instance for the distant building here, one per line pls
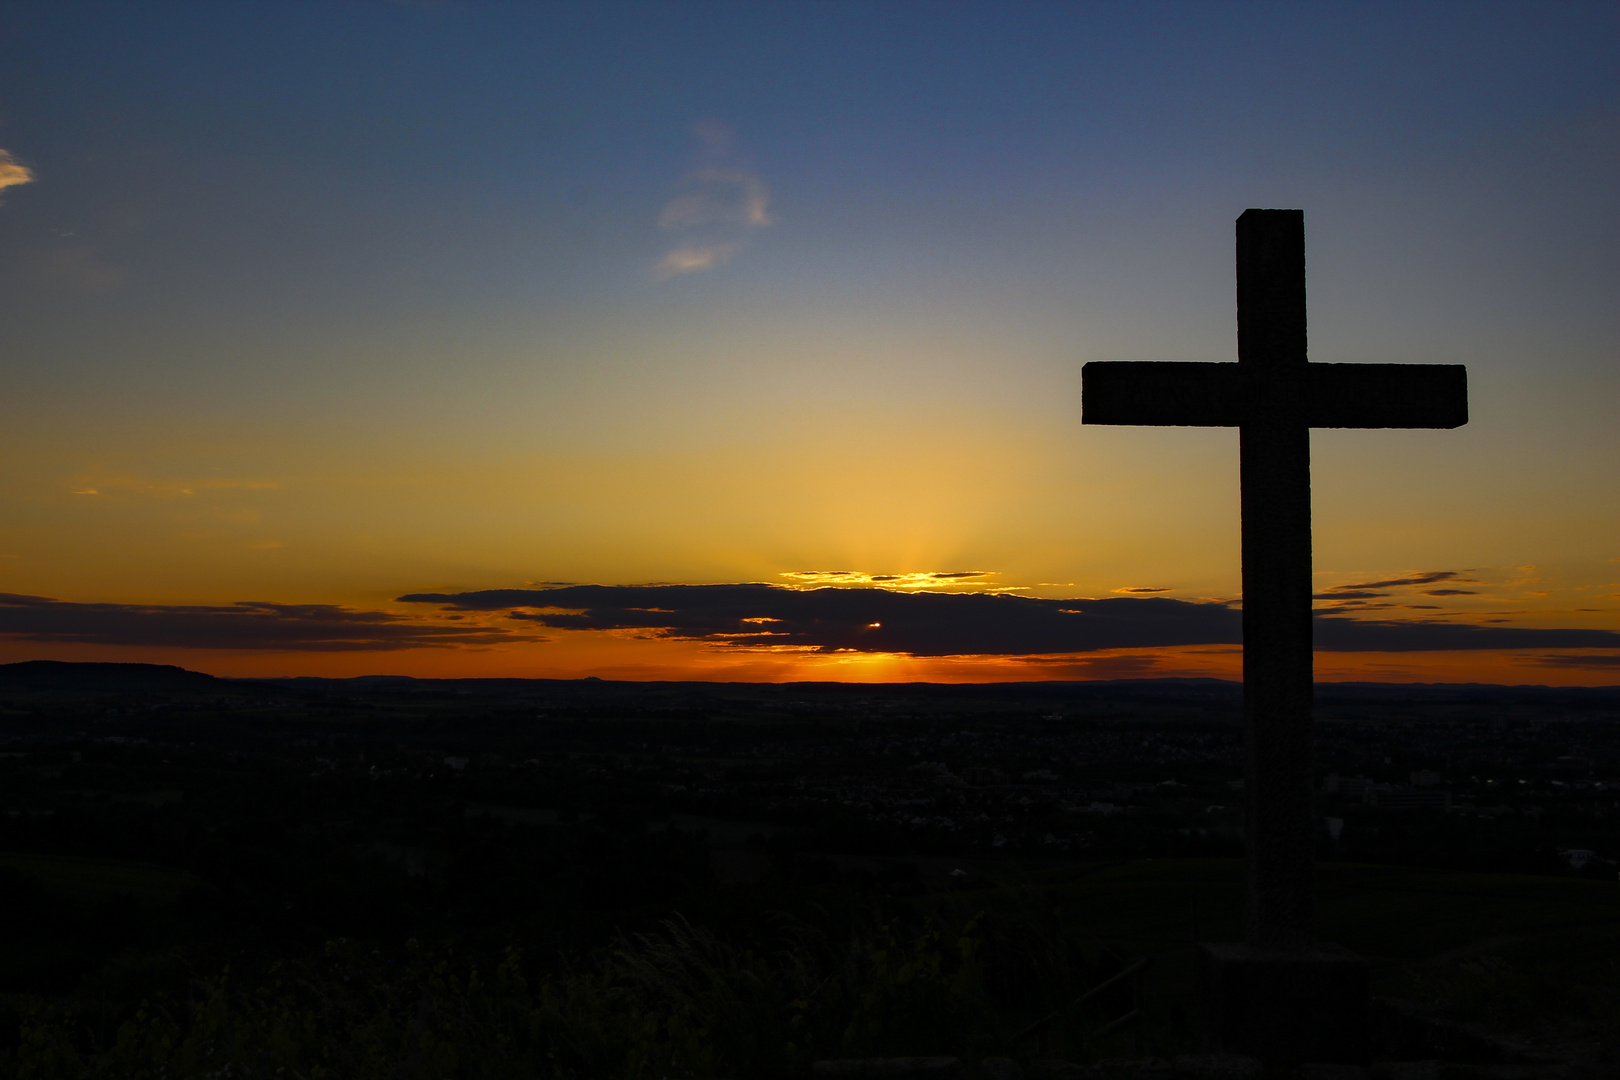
(1425, 778)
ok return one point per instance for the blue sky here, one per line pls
(453, 296)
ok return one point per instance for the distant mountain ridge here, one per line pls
(104, 677)
(65, 676)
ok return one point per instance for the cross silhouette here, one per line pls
(1274, 397)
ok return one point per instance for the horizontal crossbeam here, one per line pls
(1229, 395)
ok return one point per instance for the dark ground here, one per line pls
(1013, 844)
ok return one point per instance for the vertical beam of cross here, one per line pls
(1277, 669)
(1274, 396)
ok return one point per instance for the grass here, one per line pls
(954, 971)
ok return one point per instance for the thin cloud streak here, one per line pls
(1428, 578)
(690, 257)
(255, 625)
(1578, 661)
(978, 580)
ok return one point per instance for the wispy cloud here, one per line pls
(720, 203)
(106, 484)
(1361, 589)
(1131, 666)
(1578, 661)
(723, 196)
(1384, 593)
(690, 257)
(13, 172)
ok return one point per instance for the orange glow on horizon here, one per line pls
(611, 657)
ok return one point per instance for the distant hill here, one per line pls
(56, 676)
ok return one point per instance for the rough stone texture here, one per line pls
(1285, 1006)
(900, 1068)
(1000, 1068)
(1215, 1067)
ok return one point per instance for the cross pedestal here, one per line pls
(1279, 980)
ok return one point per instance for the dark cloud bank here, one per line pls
(936, 624)
(749, 616)
(246, 625)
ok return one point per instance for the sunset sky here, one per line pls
(743, 340)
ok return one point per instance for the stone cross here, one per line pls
(1274, 397)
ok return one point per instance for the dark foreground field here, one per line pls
(762, 979)
(392, 878)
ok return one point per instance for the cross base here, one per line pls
(1285, 1008)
